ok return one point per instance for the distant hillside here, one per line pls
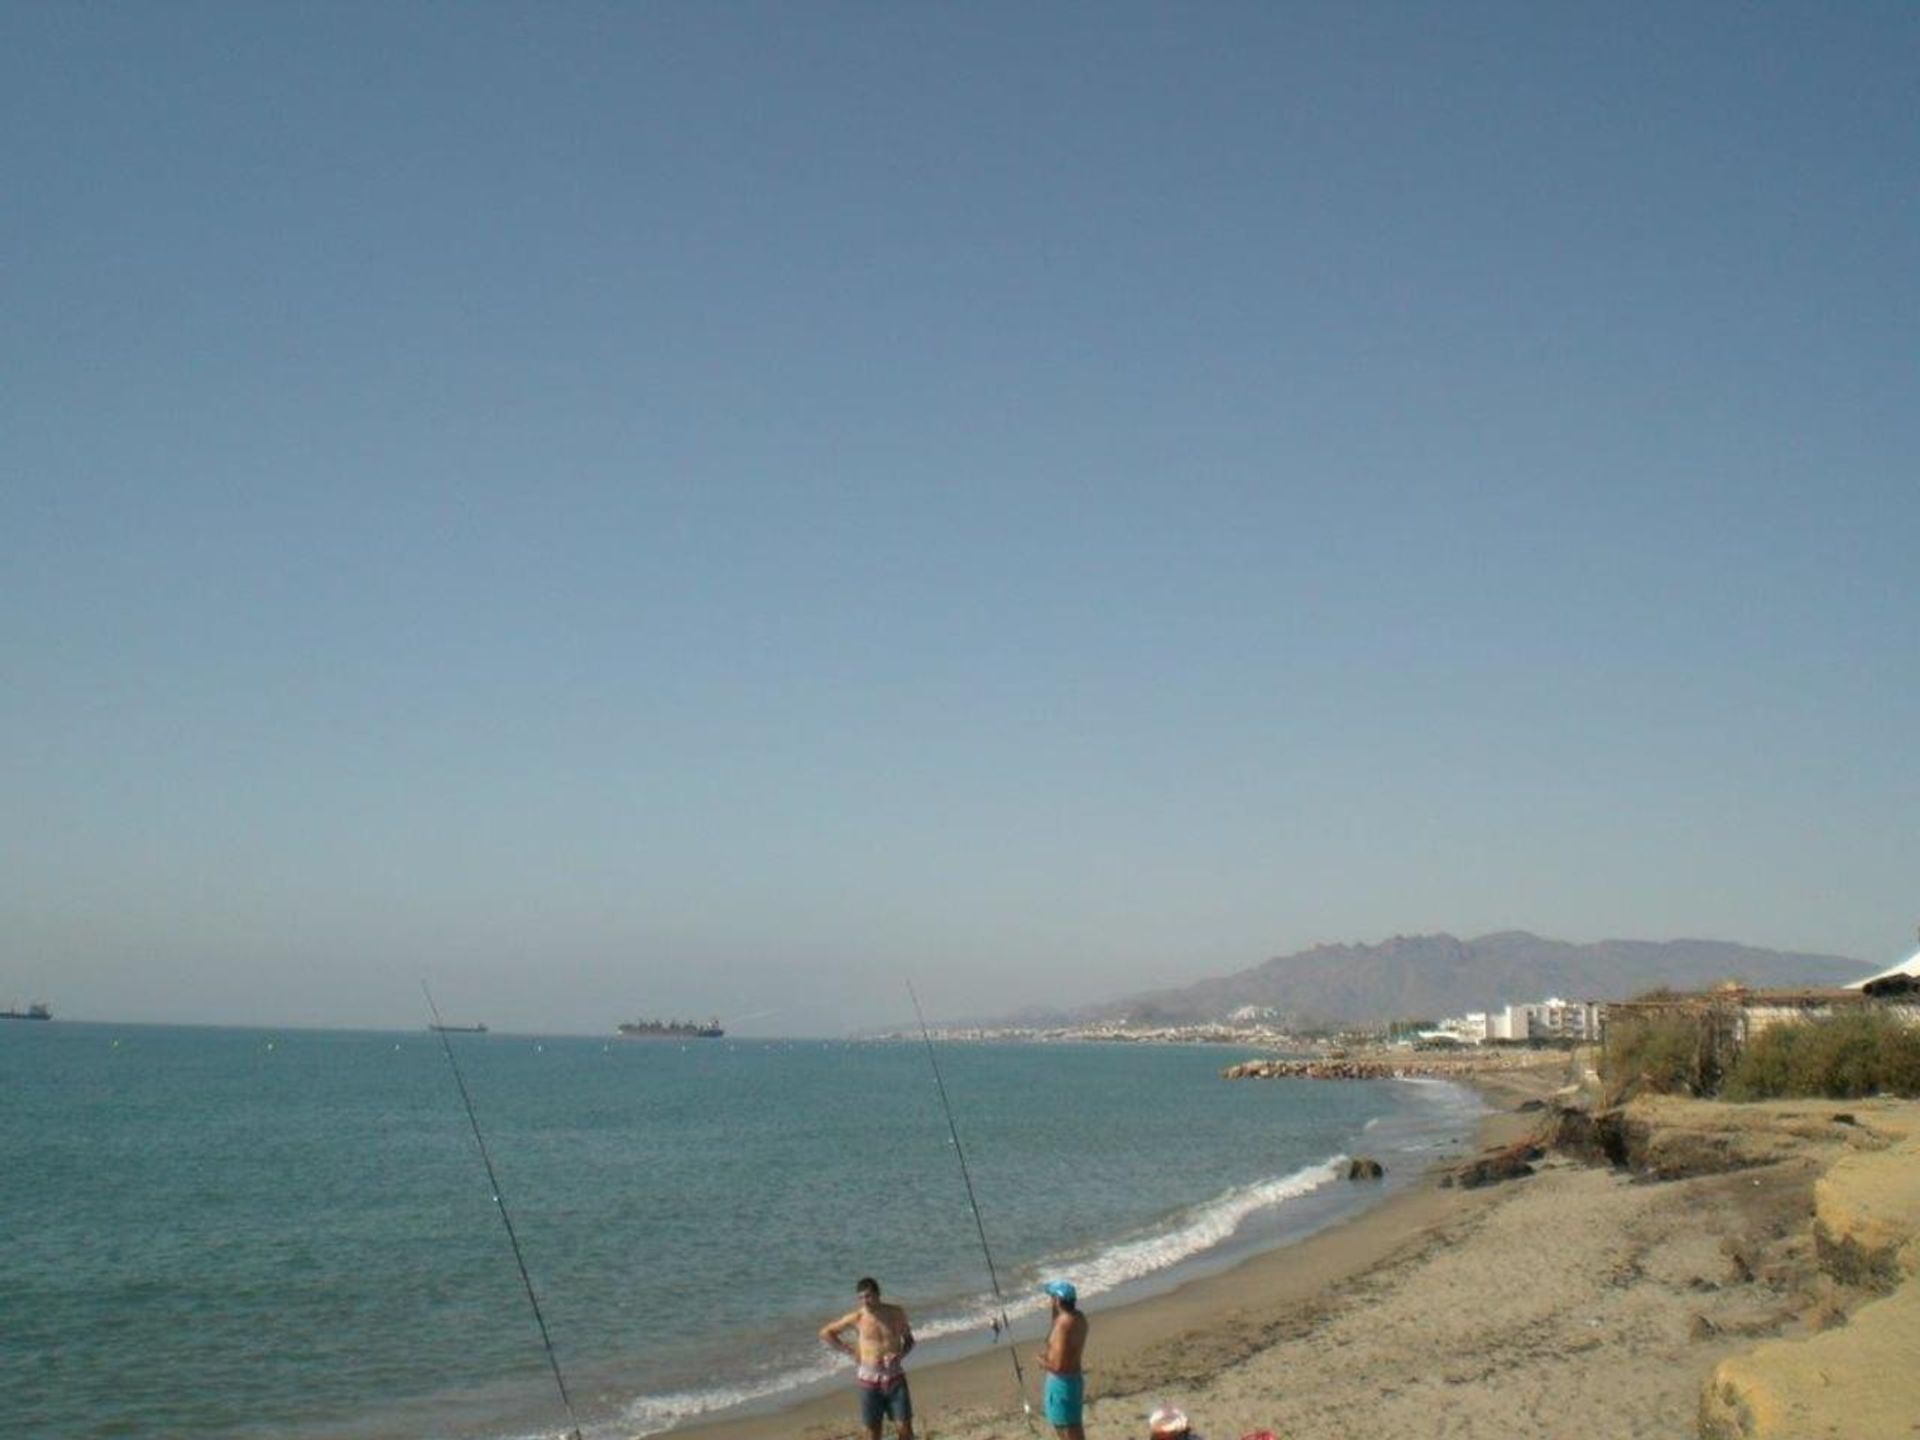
(1436, 975)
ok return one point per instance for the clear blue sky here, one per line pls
(713, 508)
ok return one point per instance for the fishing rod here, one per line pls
(993, 1275)
(505, 1219)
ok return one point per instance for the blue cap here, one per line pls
(1062, 1290)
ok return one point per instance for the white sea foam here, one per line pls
(650, 1414)
(1191, 1232)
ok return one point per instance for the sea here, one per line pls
(292, 1233)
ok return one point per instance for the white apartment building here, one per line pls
(1553, 1019)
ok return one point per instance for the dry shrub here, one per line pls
(1668, 1052)
(1839, 1057)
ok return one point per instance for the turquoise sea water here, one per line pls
(251, 1233)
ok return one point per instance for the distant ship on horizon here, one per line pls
(35, 1011)
(671, 1030)
(459, 1029)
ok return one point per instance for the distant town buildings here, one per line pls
(1552, 1019)
(1132, 1030)
(1467, 1029)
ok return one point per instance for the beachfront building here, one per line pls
(1758, 1011)
(1552, 1019)
(1729, 1017)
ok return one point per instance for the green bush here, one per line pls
(1841, 1057)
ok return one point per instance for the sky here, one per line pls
(655, 509)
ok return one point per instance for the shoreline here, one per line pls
(1171, 1341)
(1696, 1267)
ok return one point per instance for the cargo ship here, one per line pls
(459, 1029)
(32, 1012)
(671, 1030)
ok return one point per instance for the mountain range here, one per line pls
(1430, 976)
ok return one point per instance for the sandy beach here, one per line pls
(1583, 1298)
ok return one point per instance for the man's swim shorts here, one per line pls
(1064, 1394)
(877, 1404)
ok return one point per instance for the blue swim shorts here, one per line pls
(877, 1405)
(1064, 1394)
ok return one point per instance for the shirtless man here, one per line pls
(884, 1337)
(1060, 1358)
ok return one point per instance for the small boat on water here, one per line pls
(36, 1011)
(671, 1030)
(458, 1029)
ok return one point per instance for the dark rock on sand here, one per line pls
(1603, 1139)
(1509, 1164)
(1365, 1167)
